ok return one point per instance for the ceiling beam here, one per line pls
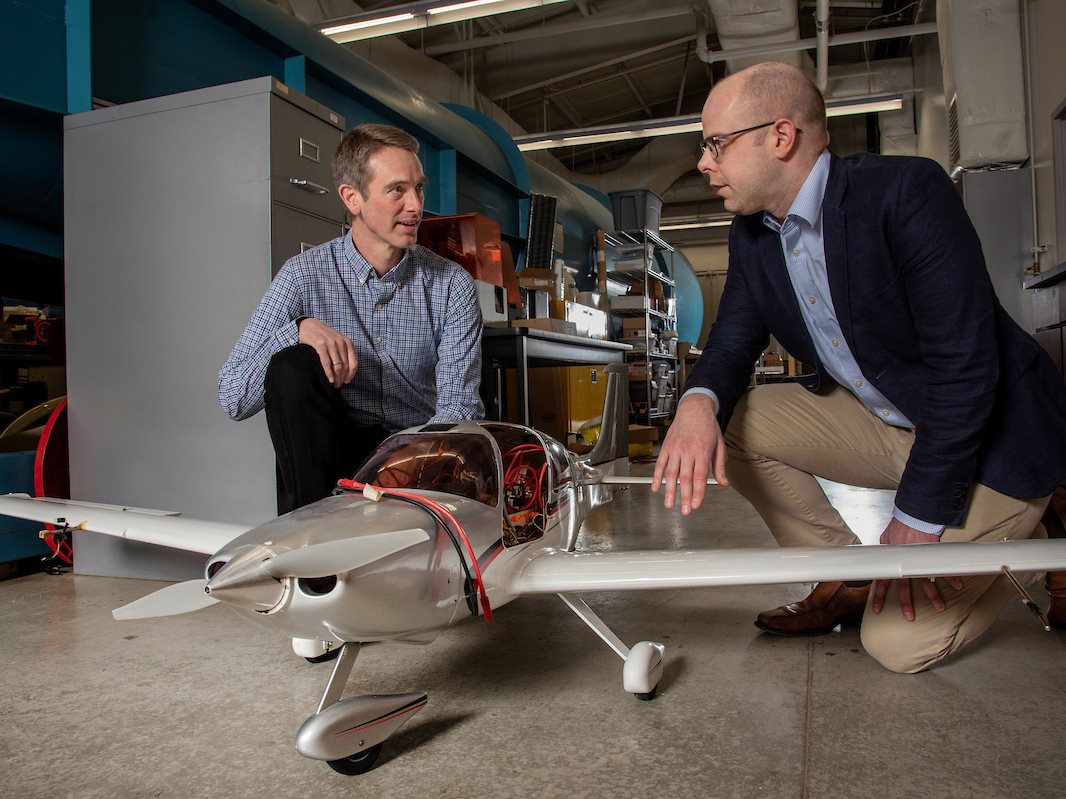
(898, 32)
(597, 22)
(659, 62)
(636, 93)
(586, 70)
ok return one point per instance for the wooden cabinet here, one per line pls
(562, 398)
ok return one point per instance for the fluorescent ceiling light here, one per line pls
(666, 126)
(368, 23)
(460, 6)
(870, 104)
(669, 126)
(418, 15)
(690, 224)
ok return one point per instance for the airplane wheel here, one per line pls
(648, 696)
(359, 763)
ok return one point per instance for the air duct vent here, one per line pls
(953, 131)
(981, 53)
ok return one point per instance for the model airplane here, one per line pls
(449, 521)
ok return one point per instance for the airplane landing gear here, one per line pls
(315, 650)
(643, 663)
(359, 763)
(348, 733)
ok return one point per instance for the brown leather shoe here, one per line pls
(828, 605)
(1056, 588)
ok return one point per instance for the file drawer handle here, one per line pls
(307, 185)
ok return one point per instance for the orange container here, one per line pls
(471, 240)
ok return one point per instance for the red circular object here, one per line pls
(51, 470)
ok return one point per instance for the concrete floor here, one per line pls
(530, 705)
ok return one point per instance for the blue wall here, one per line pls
(56, 57)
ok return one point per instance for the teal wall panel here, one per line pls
(57, 54)
(151, 49)
(689, 300)
(31, 186)
(476, 191)
(33, 53)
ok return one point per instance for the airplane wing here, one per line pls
(136, 524)
(556, 571)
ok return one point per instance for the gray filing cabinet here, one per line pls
(178, 211)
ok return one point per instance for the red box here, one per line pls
(471, 240)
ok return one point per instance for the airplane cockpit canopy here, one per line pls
(527, 477)
(454, 463)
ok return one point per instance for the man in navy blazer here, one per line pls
(867, 268)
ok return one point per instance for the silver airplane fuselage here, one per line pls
(412, 593)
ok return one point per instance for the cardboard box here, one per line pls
(634, 323)
(642, 433)
(589, 322)
(629, 302)
(638, 370)
(554, 325)
(539, 280)
(642, 440)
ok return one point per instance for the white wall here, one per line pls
(930, 108)
(709, 262)
(1047, 25)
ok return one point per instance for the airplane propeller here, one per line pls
(337, 557)
(170, 601)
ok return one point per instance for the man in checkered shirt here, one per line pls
(361, 336)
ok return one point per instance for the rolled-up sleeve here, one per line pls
(272, 328)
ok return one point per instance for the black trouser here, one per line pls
(315, 440)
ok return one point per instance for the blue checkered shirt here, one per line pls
(416, 331)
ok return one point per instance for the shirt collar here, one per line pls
(363, 270)
(808, 203)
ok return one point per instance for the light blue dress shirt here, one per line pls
(804, 251)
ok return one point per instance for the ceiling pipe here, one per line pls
(899, 32)
(821, 27)
(594, 23)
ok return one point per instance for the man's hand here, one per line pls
(899, 533)
(693, 442)
(335, 350)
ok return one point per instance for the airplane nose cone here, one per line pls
(242, 582)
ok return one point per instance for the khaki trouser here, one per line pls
(781, 435)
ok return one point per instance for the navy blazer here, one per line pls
(917, 308)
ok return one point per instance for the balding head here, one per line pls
(772, 90)
(764, 129)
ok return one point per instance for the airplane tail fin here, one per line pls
(613, 441)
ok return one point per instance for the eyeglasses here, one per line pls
(714, 143)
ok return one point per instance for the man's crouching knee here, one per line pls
(894, 644)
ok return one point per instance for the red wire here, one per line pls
(479, 582)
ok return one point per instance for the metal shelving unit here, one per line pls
(641, 288)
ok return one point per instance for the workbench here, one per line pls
(520, 348)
